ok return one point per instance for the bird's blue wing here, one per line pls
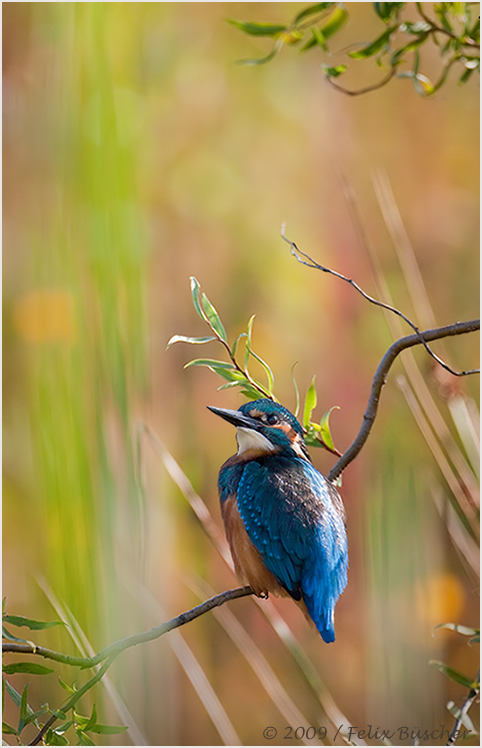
(325, 571)
(296, 521)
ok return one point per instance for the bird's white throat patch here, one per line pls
(251, 439)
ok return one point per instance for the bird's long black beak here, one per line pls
(236, 418)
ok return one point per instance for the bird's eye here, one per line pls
(272, 419)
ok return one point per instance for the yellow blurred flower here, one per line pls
(45, 316)
(440, 599)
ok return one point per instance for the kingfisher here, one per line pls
(285, 522)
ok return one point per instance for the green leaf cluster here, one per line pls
(453, 27)
(240, 376)
(79, 725)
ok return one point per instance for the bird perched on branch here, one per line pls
(285, 523)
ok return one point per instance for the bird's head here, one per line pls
(265, 426)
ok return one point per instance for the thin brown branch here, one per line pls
(459, 328)
(131, 641)
(309, 262)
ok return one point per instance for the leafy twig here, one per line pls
(316, 435)
(235, 375)
(435, 28)
(109, 654)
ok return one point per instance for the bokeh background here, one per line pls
(136, 154)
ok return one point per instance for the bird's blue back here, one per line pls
(295, 519)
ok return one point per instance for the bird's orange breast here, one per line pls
(248, 563)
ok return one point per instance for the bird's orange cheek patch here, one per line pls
(289, 430)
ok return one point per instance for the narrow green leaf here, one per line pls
(310, 43)
(386, 10)
(66, 726)
(249, 331)
(252, 393)
(80, 720)
(24, 709)
(109, 729)
(58, 713)
(454, 675)
(297, 392)
(213, 317)
(92, 720)
(31, 623)
(325, 428)
(249, 352)
(13, 693)
(374, 47)
(66, 687)
(35, 715)
(258, 29)
(236, 342)
(8, 730)
(268, 371)
(53, 737)
(185, 339)
(464, 630)
(474, 32)
(228, 385)
(291, 37)
(334, 72)
(441, 11)
(18, 700)
(226, 371)
(319, 38)
(26, 667)
(84, 739)
(310, 403)
(195, 291)
(335, 22)
(7, 635)
(263, 60)
(211, 362)
(465, 76)
(311, 10)
(396, 57)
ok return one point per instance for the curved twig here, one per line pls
(309, 262)
(367, 89)
(459, 328)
